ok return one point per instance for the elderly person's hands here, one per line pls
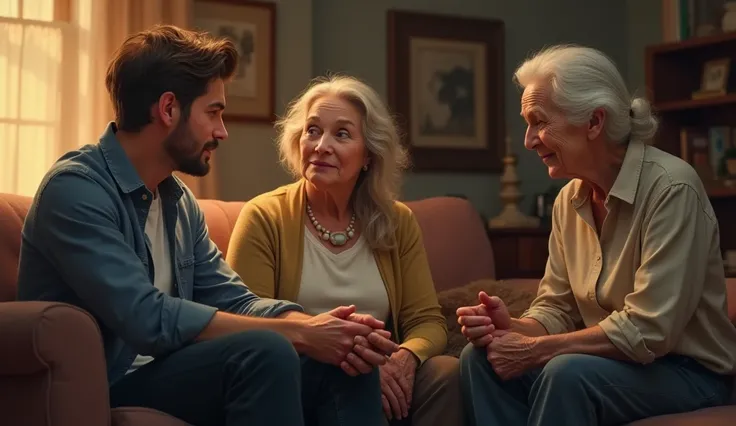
(368, 351)
(480, 321)
(511, 354)
(397, 370)
(334, 336)
(397, 384)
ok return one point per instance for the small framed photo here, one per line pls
(251, 26)
(715, 79)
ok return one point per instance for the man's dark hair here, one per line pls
(163, 59)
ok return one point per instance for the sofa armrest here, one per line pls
(52, 366)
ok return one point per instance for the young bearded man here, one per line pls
(112, 231)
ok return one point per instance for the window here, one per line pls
(36, 37)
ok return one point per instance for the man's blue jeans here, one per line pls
(253, 378)
(586, 390)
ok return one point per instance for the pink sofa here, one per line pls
(52, 369)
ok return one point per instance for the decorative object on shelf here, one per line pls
(543, 205)
(511, 216)
(715, 79)
(729, 158)
(728, 23)
(686, 19)
(446, 85)
(706, 17)
(251, 26)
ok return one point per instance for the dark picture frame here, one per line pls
(446, 88)
(251, 96)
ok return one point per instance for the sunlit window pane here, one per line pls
(11, 36)
(39, 82)
(41, 10)
(9, 8)
(30, 93)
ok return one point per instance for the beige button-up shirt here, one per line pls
(654, 281)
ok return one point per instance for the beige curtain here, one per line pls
(105, 25)
(34, 40)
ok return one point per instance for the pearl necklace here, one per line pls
(335, 238)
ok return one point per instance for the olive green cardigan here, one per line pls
(266, 250)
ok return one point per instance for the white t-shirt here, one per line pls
(158, 246)
(347, 278)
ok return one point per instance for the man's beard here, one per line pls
(182, 148)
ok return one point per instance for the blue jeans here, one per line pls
(251, 378)
(586, 390)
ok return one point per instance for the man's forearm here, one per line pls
(590, 341)
(223, 324)
(528, 327)
(294, 315)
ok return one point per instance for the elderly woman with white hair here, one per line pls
(630, 318)
(338, 236)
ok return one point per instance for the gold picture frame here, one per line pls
(714, 79)
(252, 27)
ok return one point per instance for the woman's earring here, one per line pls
(365, 168)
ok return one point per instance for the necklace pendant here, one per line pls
(338, 238)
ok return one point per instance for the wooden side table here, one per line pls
(519, 253)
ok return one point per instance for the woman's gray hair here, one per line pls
(378, 187)
(583, 79)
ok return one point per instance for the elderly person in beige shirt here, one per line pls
(630, 320)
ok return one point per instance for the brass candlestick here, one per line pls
(511, 216)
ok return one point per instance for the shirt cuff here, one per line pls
(419, 347)
(626, 337)
(192, 319)
(549, 321)
(271, 308)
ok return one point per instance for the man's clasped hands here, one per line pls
(489, 325)
(358, 343)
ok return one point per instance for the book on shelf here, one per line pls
(704, 149)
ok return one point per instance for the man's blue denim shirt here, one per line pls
(84, 243)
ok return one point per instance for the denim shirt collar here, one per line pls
(123, 171)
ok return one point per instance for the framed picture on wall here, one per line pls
(445, 85)
(252, 27)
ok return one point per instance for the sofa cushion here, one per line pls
(716, 416)
(220, 217)
(444, 220)
(13, 210)
(138, 416)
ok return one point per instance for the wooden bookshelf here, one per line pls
(720, 191)
(673, 72)
(687, 104)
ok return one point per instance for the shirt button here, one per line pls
(144, 197)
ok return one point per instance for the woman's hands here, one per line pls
(397, 383)
(355, 342)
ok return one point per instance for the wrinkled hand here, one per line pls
(480, 321)
(330, 337)
(371, 350)
(512, 354)
(397, 384)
